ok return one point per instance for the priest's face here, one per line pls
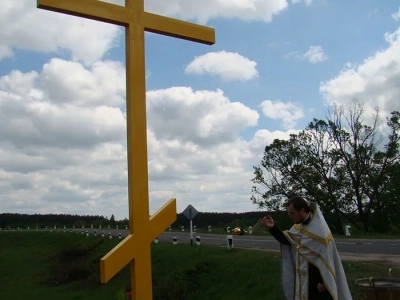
(297, 216)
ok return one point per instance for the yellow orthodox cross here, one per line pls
(136, 248)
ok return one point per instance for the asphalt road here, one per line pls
(344, 245)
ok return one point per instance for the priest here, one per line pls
(311, 266)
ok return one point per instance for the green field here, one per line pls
(34, 266)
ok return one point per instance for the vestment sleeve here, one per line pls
(277, 233)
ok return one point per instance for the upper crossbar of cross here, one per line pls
(122, 15)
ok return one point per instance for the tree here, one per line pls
(112, 219)
(337, 163)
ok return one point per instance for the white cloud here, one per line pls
(314, 54)
(29, 28)
(63, 149)
(88, 41)
(307, 2)
(63, 128)
(60, 101)
(287, 112)
(227, 65)
(375, 81)
(203, 11)
(396, 15)
(218, 120)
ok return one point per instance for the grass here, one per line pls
(35, 264)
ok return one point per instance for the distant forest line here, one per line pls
(202, 220)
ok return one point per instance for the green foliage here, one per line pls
(121, 294)
(340, 164)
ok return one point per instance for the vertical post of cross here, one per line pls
(135, 248)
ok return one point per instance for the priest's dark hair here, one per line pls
(298, 203)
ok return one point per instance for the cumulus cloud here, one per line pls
(307, 2)
(374, 81)
(314, 54)
(217, 119)
(396, 15)
(36, 110)
(287, 112)
(63, 148)
(203, 11)
(27, 28)
(63, 128)
(229, 66)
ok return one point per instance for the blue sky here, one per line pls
(341, 31)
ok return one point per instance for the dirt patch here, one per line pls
(75, 263)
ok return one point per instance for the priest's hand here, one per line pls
(268, 222)
(321, 287)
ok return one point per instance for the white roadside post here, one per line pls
(198, 240)
(348, 230)
(174, 240)
(229, 241)
(156, 240)
(250, 229)
(228, 229)
(209, 228)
